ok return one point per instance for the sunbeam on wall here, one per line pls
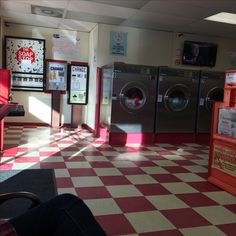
(39, 109)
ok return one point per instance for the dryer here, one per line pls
(176, 100)
(211, 89)
(128, 95)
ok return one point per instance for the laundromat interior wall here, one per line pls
(37, 105)
(147, 47)
(155, 48)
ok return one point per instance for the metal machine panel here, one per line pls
(211, 89)
(176, 100)
(133, 93)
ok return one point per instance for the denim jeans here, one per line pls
(64, 215)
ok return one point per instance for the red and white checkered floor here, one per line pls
(158, 189)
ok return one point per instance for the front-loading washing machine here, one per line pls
(211, 89)
(176, 101)
(127, 103)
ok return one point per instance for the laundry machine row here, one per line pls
(144, 104)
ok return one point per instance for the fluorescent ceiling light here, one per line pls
(223, 17)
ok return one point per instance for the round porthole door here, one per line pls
(177, 98)
(133, 97)
(214, 95)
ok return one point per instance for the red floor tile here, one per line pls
(184, 162)
(82, 172)
(101, 164)
(163, 233)
(115, 225)
(176, 169)
(196, 200)
(131, 171)
(204, 186)
(91, 153)
(144, 163)
(231, 207)
(64, 182)
(92, 192)
(114, 180)
(166, 178)
(152, 189)
(6, 166)
(228, 229)
(134, 204)
(73, 158)
(26, 159)
(185, 218)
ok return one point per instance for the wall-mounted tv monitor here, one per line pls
(199, 53)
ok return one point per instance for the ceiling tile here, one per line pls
(160, 18)
(47, 3)
(82, 16)
(15, 6)
(100, 9)
(77, 25)
(175, 8)
(135, 4)
(220, 5)
(35, 20)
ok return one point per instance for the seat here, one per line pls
(31, 196)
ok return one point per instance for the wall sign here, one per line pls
(25, 58)
(78, 84)
(118, 43)
(56, 75)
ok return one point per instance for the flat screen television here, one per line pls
(199, 53)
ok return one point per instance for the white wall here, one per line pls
(147, 47)
(89, 113)
(25, 98)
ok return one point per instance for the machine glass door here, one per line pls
(214, 95)
(177, 98)
(133, 97)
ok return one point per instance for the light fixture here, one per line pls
(47, 11)
(223, 17)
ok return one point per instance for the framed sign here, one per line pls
(118, 43)
(25, 58)
(56, 75)
(78, 84)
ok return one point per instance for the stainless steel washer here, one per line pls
(176, 100)
(128, 98)
(211, 89)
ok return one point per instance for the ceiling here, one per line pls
(183, 16)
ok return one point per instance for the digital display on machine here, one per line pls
(25, 59)
(78, 84)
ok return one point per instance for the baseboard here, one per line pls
(85, 126)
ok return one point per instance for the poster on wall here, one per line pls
(65, 45)
(56, 75)
(118, 43)
(78, 84)
(25, 59)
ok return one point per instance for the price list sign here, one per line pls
(78, 84)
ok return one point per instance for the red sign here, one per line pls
(25, 54)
